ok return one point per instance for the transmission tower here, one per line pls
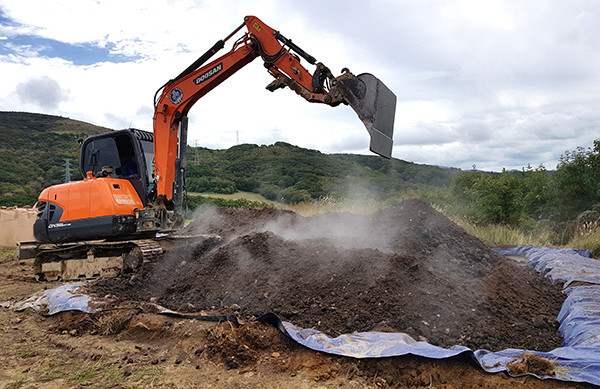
(67, 170)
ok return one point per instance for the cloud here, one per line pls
(497, 85)
(43, 91)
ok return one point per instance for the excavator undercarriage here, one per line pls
(93, 259)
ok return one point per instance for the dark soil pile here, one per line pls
(404, 269)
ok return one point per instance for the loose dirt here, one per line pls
(338, 273)
(405, 269)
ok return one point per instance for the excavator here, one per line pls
(132, 196)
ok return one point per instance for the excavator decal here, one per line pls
(176, 96)
(209, 74)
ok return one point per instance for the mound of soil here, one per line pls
(404, 269)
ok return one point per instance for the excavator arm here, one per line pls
(368, 96)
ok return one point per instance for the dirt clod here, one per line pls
(528, 363)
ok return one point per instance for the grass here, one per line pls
(7, 253)
(29, 353)
(50, 373)
(311, 208)
(15, 385)
(241, 195)
(329, 205)
(195, 201)
(500, 235)
(587, 240)
(147, 375)
(101, 375)
(497, 235)
(84, 375)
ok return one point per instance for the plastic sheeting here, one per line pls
(67, 298)
(566, 265)
(577, 360)
(59, 299)
(362, 344)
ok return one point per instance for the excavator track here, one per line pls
(94, 259)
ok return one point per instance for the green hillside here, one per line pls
(292, 174)
(34, 148)
(33, 151)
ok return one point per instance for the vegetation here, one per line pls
(532, 205)
(291, 175)
(196, 201)
(558, 208)
(37, 146)
(33, 153)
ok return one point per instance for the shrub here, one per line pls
(294, 196)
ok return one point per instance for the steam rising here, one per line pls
(342, 230)
(406, 268)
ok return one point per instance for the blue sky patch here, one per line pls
(78, 54)
(5, 21)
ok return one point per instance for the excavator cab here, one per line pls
(116, 167)
(124, 154)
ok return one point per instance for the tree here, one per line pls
(577, 181)
(498, 199)
(538, 194)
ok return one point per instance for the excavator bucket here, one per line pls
(375, 105)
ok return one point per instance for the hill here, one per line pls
(292, 174)
(33, 152)
(35, 148)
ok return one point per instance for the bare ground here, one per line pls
(130, 346)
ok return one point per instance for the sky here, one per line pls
(495, 84)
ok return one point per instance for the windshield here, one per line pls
(117, 151)
(100, 153)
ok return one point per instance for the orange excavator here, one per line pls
(133, 192)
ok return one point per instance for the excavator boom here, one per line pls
(373, 102)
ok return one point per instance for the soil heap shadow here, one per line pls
(407, 268)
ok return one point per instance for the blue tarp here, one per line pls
(566, 265)
(67, 298)
(577, 360)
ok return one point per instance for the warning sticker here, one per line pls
(123, 199)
